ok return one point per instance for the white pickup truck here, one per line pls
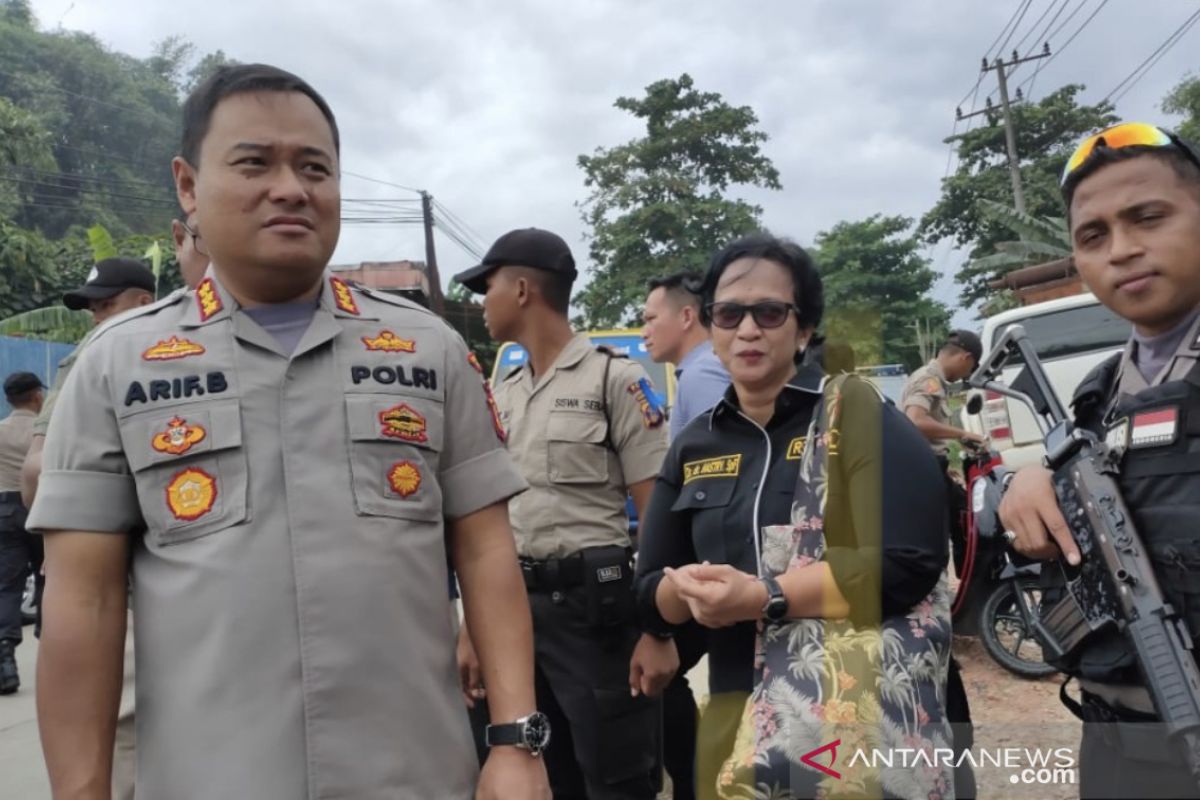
(1071, 335)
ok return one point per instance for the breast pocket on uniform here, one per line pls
(576, 451)
(708, 499)
(395, 448)
(190, 469)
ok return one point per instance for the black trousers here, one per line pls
(1128, 755)
(956, 500)
(680, 714)
(20, 552)
(605, 744)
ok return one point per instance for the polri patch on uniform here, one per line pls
(173, 348)
(719, 467)
(208, 300)
(388, 342)
(1154, 428)
(795, 449)
(405, 423)
(933, 386)
(653, 413)
(343, 298)
(404, 478)
(178, 438)
(191, 494)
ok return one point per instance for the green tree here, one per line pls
(1047, 132)
(206, 66)
(1184, 100)
(658, 203)
(877, 288)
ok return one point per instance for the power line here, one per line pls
(1067, 43)
(454, 237)
(377, 180)
(85, 190)
(1033, 27)
(1021, 16)
(1130, 80)
(987, 53)
(79, 176)
(461, 227)
(1042, 37)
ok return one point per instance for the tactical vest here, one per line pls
(1160, 482)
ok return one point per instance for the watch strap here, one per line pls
(508, 733)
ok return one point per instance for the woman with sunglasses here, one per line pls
(801, 520)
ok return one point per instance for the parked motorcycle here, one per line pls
(993, 579)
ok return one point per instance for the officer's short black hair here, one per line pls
(234, 79)
(555, 287)
(808, 293)
(1180, 163)
(682, 287)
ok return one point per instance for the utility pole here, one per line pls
(1010, 133)
(436, 300)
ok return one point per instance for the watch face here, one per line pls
(777, 608)
(537, 731)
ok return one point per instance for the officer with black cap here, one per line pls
(19, 550)
(114, 285)
(585, 428)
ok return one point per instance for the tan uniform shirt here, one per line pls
(16, 432)
(926, 388)
(578, 461)
(290, 586)
(60, 377)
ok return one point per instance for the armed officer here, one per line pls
(1133, 202)
(585, 427)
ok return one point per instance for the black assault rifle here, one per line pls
(1114, 585)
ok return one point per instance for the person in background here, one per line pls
(675, 333)
(585, 429)
(19, 551)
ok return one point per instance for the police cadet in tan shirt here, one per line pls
(24, 392)
(299, 455)
(585, 428)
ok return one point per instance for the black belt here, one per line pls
(552, 574)
(9, 497)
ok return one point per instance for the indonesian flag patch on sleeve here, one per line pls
(1154, 428)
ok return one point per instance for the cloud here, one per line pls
(488, 105)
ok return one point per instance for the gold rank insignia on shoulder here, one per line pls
(795, 449)
(342, 296)
(191, 494)
(208, 300)
(719, 467)
(178, 438)
(403, 422)
(388, 342)
(171, 349)
(405, 478)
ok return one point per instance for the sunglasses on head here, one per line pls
(1127, 134)
(768, 314)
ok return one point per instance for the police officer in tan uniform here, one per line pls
(585, 428)
(298, 456)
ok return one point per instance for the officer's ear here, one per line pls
(185, 184)
(690, 316)
(524, 291)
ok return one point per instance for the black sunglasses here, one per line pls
(768, 314)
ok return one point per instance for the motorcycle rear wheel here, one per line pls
(1007, 639)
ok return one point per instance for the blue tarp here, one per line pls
(29, 355)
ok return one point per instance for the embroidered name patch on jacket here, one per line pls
(719, 467)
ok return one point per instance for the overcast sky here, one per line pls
(487, 104)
